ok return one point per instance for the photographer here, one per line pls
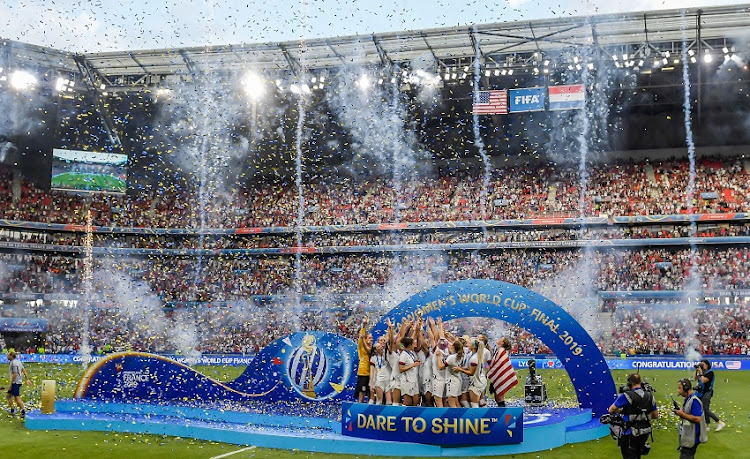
(638, 407)
(705, 377)
(693, 429)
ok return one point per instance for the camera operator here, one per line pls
(638, 408)
(693, 429)
(705, 377)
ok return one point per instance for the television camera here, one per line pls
(535, 390)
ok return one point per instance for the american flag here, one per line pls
(491, 103)
(501, 373)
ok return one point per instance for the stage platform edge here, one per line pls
(551, 428)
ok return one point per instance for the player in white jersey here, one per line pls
(463, 398)
(409, 377)
(380, 372)
(476, 372)
(439, 354)
(452, 364)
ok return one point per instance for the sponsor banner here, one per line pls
(124, 251)
(656, 363)
(567, 97)
(433, 426)
(20, 324)
(527, 100)
(562, 221)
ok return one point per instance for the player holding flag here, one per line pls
(500, 372)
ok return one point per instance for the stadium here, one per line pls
(200, 205)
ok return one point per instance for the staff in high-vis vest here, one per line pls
(693, 430)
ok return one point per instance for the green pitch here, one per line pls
(731, 403)
(91, 182)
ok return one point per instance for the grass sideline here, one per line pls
(732, 404)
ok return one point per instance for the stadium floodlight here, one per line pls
(497, 72)
(487, 73)
(707, 58)
(546, 63)
(447, 76)
(305, 88)
(575, 59)
(691, 53)
(22, 80)
(693, 60)
(253, 86)
(60, 84)
(676, 61)
(591, 66)
(725, 50)
(294, 88)
(510, 72)
(614, 57)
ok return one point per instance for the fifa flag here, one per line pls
(568, 97)
(500, 372)
(490, 103)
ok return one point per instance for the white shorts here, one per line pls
(438, 387)
(382, 383)
(452, 387)
(409, 388)
(425, 387)
(465, 382)
(394, 384)
(477, 387)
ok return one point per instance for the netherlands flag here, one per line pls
(566, 97)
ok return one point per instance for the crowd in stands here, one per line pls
(667, 329)
(513, 192)
(224, 279)
(231, 318)
(227, 288)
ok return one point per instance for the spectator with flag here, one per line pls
(500, 372)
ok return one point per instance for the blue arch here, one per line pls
(574, 347)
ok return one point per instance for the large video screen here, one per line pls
(89, 171)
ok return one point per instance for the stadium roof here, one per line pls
(507, 44)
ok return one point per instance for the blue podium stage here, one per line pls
(268, 427)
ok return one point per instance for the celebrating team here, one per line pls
(418, 363)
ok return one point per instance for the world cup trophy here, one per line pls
(308, 354)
